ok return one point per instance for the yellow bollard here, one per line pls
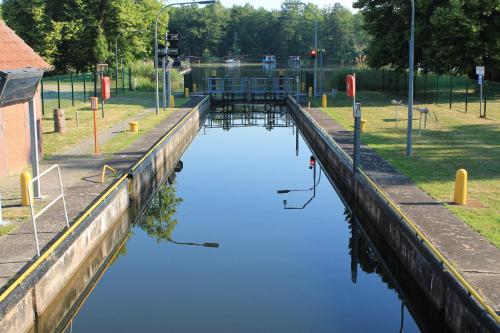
(303, 86)
(172, 101)
(194, 87)
(324, 101)
(134, 126)
(310, 92)
(363, 125)
(460, 197)
(186, 92)
(25, 182)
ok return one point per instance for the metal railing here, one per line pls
(251, 86)
(44, 209)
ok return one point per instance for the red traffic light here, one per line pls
(312, 161)
(313, 53)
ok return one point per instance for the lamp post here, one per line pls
(203, 2)
(410, 84)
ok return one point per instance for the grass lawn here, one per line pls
(116, 109)
(457, 140)
(124, 139)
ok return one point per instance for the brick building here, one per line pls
(14, 121)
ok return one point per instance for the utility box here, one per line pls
(106, 87)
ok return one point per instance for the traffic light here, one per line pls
(313, 53)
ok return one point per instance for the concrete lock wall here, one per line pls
(55, 287)
(461, 312)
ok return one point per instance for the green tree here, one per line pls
(451, 36)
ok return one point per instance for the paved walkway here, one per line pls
(81, 173)
(474, 256)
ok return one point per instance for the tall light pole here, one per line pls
(410, 84)
(203, 2)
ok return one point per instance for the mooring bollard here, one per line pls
(460, 197)
(194, 87)
(134, 126)
(186, 92)
(310, 92)
(324, 102)
(172, 101)
(59, 121)
(25, 193)
(303, 87)
(77, 119)
(363, 125)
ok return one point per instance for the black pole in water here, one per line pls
(357, 143)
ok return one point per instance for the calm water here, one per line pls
(217, 252)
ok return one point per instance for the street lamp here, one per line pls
(315, 88)
(116, 53)
(410, 84)
(202, 2)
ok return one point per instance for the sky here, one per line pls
(275, 4)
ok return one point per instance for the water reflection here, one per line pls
(159, 219)
(269, 117)
(313, 166)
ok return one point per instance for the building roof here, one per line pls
(15, 53)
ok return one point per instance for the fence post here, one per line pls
(437, 88)
(484, 96)
(383, 79)
(466, 94)
(425, 87)
(129, 79)
(404, 91)
(397, 82)
(123, 79)
(451, 89)
(116, 82)
(84, 89)
(95, 83)
(72, 91)
(43, 99)
(58, 93)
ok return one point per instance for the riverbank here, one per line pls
(452, 140)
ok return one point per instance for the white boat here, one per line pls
(269, 59)
(232, 61)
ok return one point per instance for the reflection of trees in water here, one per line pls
(361, 252)
(159, 219)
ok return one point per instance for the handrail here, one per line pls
(61, 239)
(43, 210)
(447, 264)
(87, 212)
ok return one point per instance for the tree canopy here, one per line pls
(451, 36)
(249, 31)
(76, 34)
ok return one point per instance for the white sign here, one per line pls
(479, 70)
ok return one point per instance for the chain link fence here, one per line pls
(459, 93)
(65, 91)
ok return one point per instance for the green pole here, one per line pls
(84, 89)
(130, 79)
(466, 94)
(123, 78)
(72, 91)
(437, 87)
(58, 93)
(43, 99)
(451, 89)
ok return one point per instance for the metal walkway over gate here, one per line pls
(254, 90)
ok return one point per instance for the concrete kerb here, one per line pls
(21, 293)
(449, 276)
